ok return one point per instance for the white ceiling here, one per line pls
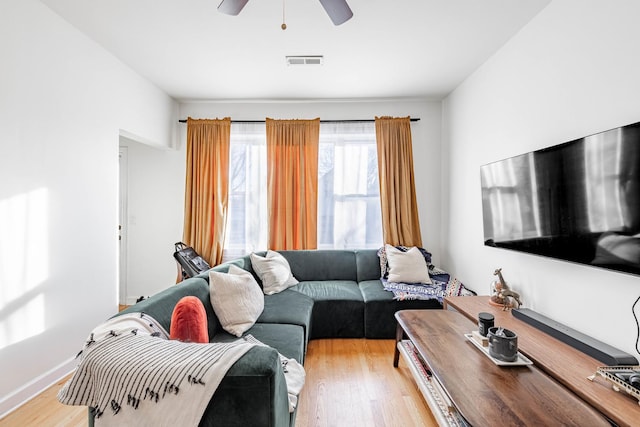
(389, 49)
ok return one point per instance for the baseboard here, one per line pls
(132, 300)
(30, 390)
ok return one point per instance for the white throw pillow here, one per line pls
(274, 271)
(407, 267)
(236, 299)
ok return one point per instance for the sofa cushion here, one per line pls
(368, 264)
(322, 264)
(338, 308)
(160, 306)
(189, 321)
(380, 308)
(274, 272)
(289, 307)
(288, 340)
(236, 298)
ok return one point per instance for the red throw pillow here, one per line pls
(189, 321)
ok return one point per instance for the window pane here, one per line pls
(247, 218)
(348, 192)
(349, 214)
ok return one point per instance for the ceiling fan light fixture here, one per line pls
(231, 7)
(338, 10)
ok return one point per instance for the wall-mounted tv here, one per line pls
(577, 201)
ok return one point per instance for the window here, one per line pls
(247, 211)
(348, 192)
(349, 213)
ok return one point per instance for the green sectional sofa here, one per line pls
(339, 294)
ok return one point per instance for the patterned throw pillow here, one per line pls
(457, 289)
(189, 321)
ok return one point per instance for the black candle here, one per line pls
(485, 321)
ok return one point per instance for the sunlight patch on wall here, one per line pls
(24, 265)
(25, 322)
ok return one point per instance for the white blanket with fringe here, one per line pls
(132, 374)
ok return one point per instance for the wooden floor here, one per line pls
(350, 382)
(45, 410)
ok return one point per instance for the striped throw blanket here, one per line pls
(132, 375)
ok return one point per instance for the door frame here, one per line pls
(123, 186)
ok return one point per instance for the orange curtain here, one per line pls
(207, 187)
(292, 183)
(400, 222)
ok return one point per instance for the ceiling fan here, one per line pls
(338, 10)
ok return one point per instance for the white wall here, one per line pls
(63, 103)
(425, 136)
(572, 71)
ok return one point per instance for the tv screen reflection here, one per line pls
(578, 201)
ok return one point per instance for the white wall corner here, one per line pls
(31, 389)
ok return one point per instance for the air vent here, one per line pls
(305, 60)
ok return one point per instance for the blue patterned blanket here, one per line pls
(442, 285)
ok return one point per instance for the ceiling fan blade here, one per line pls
(231, 7)
(338, 10)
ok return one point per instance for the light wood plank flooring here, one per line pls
(45, 410)
(350, 382)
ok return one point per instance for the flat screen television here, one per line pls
(577, 201)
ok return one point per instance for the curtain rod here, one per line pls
(413, 119)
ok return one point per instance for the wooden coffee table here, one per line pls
(470, 388)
